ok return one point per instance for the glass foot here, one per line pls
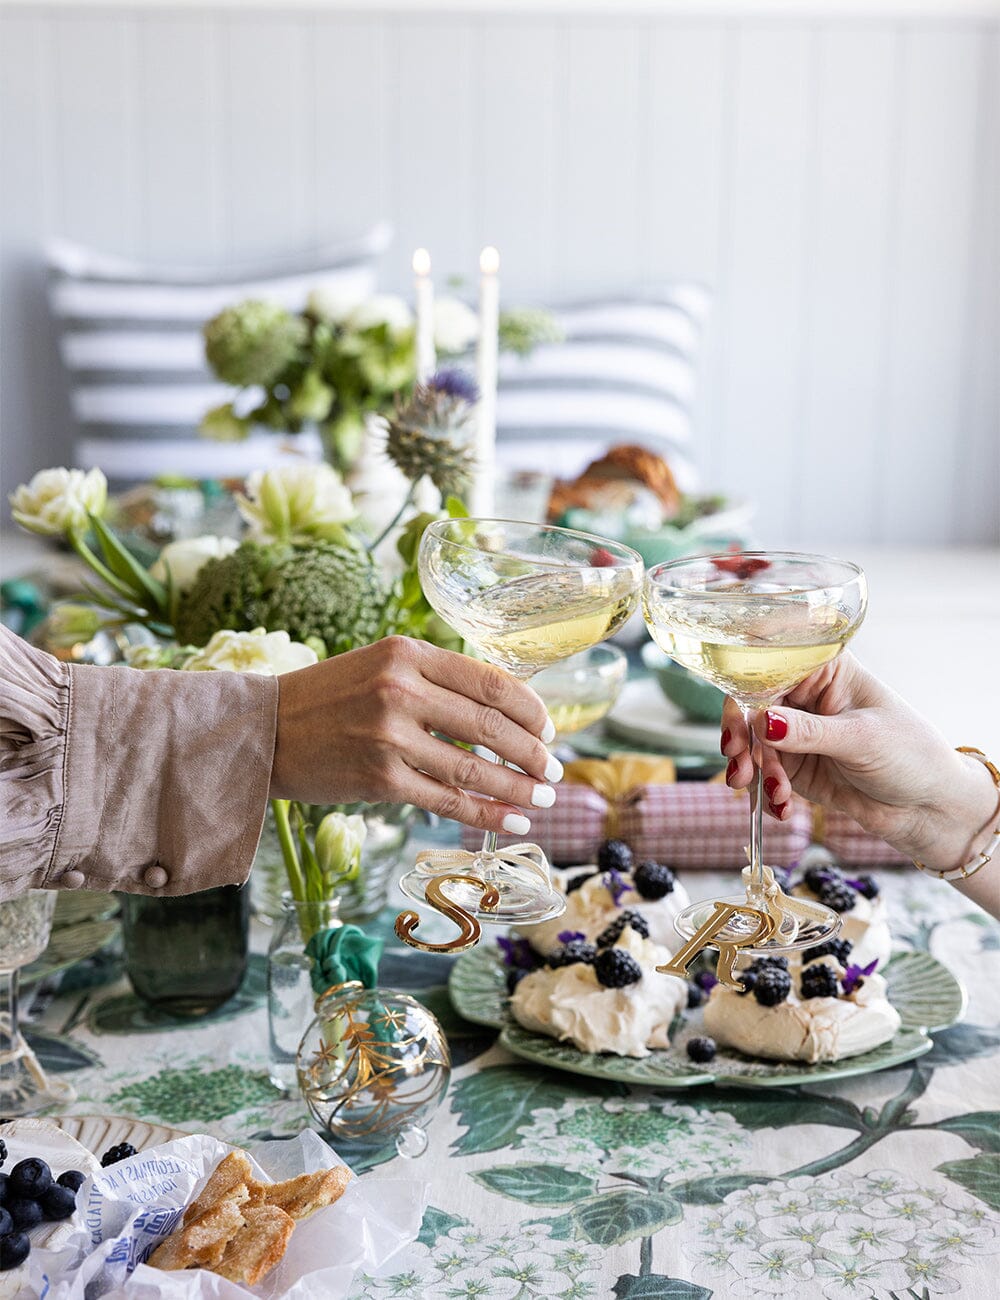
(803, 924)
(25, 1088)
(524, 897)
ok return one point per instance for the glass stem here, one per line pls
(490, 838)
(10, 1035)
(756, 892)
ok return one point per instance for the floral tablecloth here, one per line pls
(545, 1184)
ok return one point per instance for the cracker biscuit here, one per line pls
(257, 1246)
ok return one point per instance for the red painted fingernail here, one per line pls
(770, 785)
(777, 727)
(778, 810)
(731, 770)
(727, 736)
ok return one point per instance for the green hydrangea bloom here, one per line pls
(253, 342)
(327, 591)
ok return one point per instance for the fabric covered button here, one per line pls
(71, 880)
(155, 877)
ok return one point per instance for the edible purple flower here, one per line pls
(570, 936)
(854, 976)
(706, 981)
(455, 383)
(615, 884)
(518, 953)
(866, 886)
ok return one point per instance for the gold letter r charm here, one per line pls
(722, 914)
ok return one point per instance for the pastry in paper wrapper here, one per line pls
(125, 1211)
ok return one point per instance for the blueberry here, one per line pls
(25, 1213)
(6, 1223)
(72, 1179)
(701, 1050)
(696, 996)
(30, 1178)
(14, 1250)
(58, 1202)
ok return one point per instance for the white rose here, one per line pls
(456, 326)
(382, 309)
(266, 653)
(334, 301)
(57, 501)
(296, 503)
(182, 561)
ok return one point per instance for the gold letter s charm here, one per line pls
(407, 922)
(722, 914)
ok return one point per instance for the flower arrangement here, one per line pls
(337, 362)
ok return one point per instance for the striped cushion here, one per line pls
(131, 339)
(625, 372)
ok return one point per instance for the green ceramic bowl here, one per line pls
(699, 701)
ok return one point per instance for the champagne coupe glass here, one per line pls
(581, 690)
(755, 624)
(25, 925)
(525, 595)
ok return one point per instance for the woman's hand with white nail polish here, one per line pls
(368, 725)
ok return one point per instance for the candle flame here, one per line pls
(489, 260)
(422, 262)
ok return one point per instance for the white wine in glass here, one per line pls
(755, 624)
(525, 596)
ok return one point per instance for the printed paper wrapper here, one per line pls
(126, 1210)
(690, 826)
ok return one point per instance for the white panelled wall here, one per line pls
(834, 179)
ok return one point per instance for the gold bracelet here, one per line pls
(985, 857)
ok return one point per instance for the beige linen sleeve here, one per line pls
(145, 782)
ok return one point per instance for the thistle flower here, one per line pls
(428, 435)
(455, 383)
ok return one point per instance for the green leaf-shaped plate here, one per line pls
(925, 993)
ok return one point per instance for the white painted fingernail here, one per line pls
(543, 796)
(515, 824)
(548, 732)
(553, 769)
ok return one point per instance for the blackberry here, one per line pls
(701, 1050)
(6, 1223)
(653, 880)
(29, 1178)
(615, 968)
(14, 1250)
(819, 981)
(575, 883)
(837, 896)
(121, 1152)
(772, 986)
(578, 950)
(820, 875)
(839, 949)
(614, 855)
(612, 933)
(72, 1178)
(696, 996)
(779, 963)
(3, 1189)
(3, 1151)
(867, 886)
(514, 976)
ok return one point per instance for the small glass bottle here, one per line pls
(290, 995)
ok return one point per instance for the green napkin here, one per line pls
(343, 954)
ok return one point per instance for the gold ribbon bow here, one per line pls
(619, 780)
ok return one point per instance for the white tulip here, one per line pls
(182, 561)
(456, 325)
(382, 309)
(334, 302)
(296, 503)
(266, 653)
(57, 502)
